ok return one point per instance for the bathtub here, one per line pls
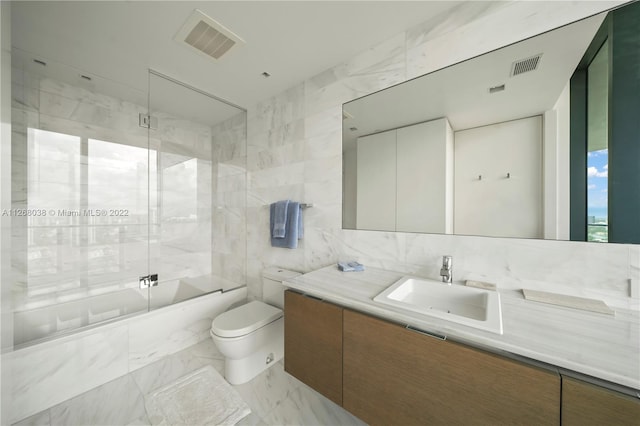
(32, 326)
(116, 335)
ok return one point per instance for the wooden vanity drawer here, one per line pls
(395, 376)
(586, 404)
(313, 343)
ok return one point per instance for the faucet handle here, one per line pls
(446, 270)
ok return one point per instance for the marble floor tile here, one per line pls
(207, 353)
(115, 403)
(274, 396)
(177, 365)
(41, 419)
(251, 420)
(304, 406)
(268, 390)
(142, 421)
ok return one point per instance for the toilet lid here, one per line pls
(244, 319)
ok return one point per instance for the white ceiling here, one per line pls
(291, 40)
(461, 92)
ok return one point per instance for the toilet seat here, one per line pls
(245, 319)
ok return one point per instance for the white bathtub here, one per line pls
(66, 362)
(42, 323)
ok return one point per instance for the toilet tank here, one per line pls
(272, 287)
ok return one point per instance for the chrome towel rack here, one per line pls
(303, 205)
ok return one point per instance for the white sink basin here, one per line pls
(469, 306)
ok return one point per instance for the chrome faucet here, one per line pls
(446, 272)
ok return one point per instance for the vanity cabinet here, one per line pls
(587, 404)
(313, 343)
(388, 374)
(396, 376)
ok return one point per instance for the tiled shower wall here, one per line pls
(294, 151)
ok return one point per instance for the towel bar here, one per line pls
(303, 205)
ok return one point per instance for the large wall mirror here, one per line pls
(539, 139)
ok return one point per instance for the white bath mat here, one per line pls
(202, 397)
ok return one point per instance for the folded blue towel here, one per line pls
(293, 228)
(278, 229)
(350, 266)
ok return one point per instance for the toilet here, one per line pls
(251, 336)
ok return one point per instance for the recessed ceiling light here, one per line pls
(495, 89)
(266, 74)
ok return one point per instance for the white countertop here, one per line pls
(606, 347)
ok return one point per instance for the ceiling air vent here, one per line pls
(207, 36)
(525, 65)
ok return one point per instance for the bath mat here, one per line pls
(202, 397)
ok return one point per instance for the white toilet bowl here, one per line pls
(251, 336)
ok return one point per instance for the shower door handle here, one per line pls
(148, 281)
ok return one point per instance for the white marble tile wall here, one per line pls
(477, 29)
(309, 115)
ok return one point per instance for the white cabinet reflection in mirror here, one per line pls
(376, 182)
(405, 179)
(507, 200)
(408, 179)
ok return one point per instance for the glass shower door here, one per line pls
(79, 199)
(185, 200)
(118, 182)
(111, 184)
